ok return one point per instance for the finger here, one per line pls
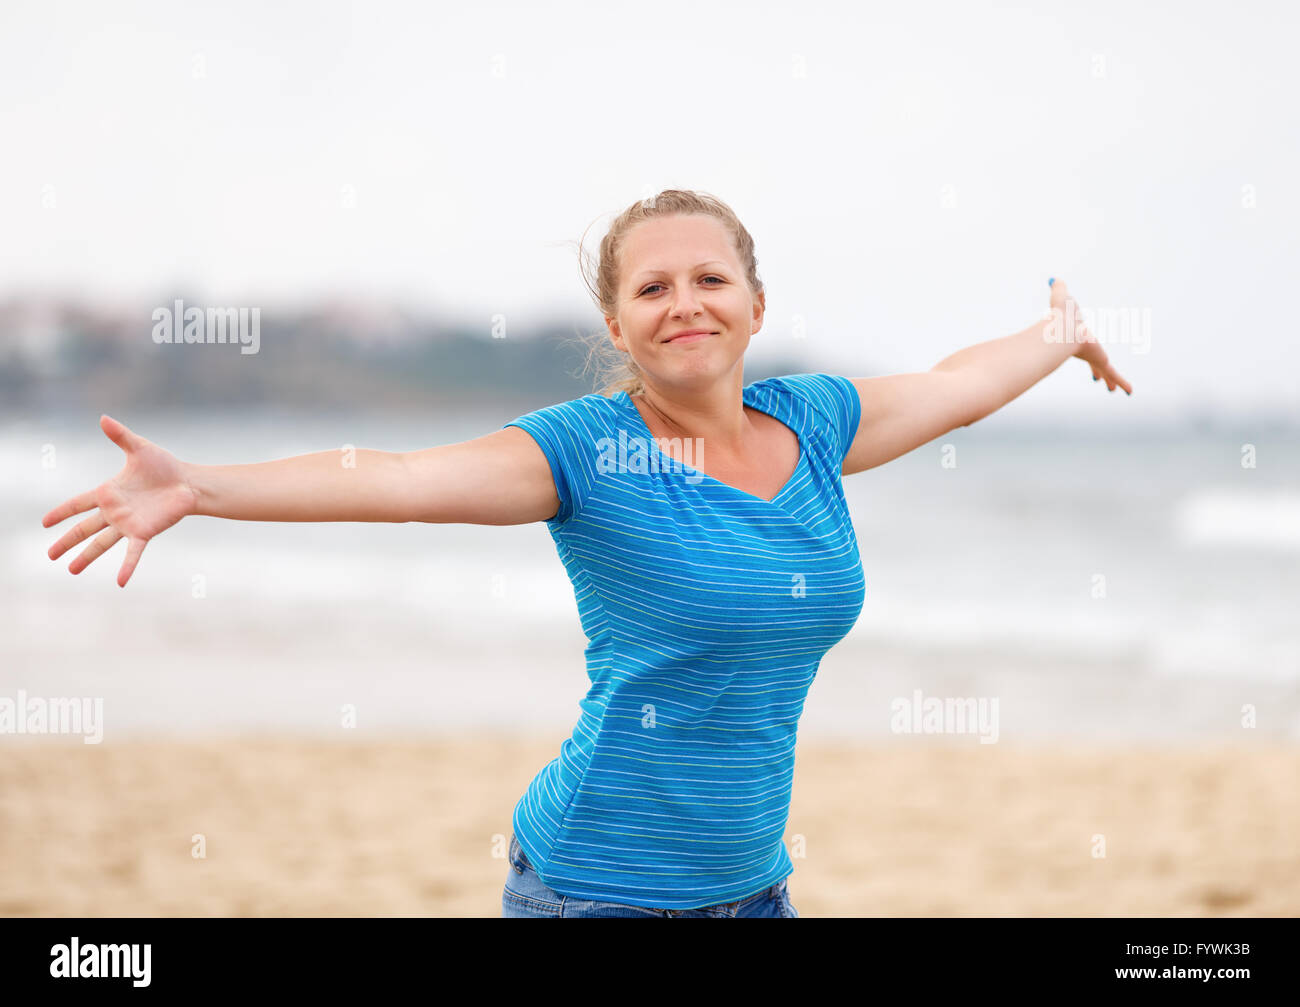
(1128, 389)
(134, 547)
(79, 503)
(80, 533)
(93, 551)
(118, 433)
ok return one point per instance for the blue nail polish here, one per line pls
(1051, 280)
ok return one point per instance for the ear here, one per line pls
(616, 333)
(760, 306)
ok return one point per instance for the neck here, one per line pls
(716, 417)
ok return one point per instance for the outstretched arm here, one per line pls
(501, 478)
(901, 412)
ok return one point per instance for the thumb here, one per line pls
(1059, 292)
(117, 433)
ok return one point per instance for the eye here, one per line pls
(710, 277)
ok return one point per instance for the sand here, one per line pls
(302, 827)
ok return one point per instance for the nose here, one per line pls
(686, 305)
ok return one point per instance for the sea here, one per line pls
(1089, 584)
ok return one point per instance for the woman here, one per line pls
(703, 524)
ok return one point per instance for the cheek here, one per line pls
(740, 303)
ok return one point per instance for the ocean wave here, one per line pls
(1239, 517)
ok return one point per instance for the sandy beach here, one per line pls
(297, 827)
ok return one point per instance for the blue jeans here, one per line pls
(526, 895)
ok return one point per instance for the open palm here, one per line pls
(147, 497)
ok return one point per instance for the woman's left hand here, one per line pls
(1090, 350)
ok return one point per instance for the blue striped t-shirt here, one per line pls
(707, 610)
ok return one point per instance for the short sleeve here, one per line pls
(835, 400)
(570, 435)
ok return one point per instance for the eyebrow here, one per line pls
(700, 265)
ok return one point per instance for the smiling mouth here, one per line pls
(690, 337)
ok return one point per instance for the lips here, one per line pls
(689, 336)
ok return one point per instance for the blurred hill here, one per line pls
(59, 354)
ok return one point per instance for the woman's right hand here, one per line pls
(148, 496)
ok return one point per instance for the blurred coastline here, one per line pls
(64, 355)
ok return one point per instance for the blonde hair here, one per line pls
(616, 370)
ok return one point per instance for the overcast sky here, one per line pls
(911, 175)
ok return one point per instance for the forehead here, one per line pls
(676, 242)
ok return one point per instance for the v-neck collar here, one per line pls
(747, 396)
